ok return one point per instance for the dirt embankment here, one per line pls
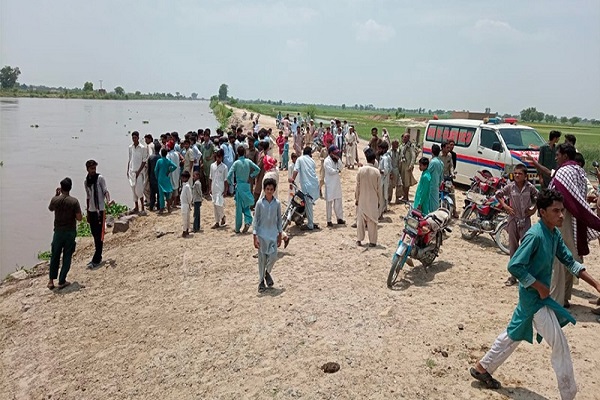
(176, 318)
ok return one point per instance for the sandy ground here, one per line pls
(181, 319)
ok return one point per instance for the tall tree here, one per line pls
(119, 91)
(574, 120)
(223, 92)
(9, 76)
(88, 87)
(564, 120)
(194, 96)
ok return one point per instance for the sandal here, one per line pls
(63, 285)
(486, 378)
(50, 286)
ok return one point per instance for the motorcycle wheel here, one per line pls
(446, 204)
(466, 218)
(430, 257)
(397, 264)
(501, 237)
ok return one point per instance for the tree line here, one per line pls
(10, 87)
(531, 114)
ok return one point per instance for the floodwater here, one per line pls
(34, 160)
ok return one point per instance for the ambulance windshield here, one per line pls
(521, 139)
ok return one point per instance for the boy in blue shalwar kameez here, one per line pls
(267, 233)
(532, 266)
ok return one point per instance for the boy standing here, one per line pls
(185, 199)
(422, 194)
(521, 195)
(197, 199)
(267, 233)
(218, 188)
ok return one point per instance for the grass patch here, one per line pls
(221, 112)
(44, 255)
(588, 138)
(429, 363)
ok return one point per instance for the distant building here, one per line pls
(472, 115)
(102, 91)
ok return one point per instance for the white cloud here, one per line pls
(371, 31)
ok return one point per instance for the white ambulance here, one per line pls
(493, 144)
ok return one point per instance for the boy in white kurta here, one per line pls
(185, 199)
(333, 185)
(218, 188)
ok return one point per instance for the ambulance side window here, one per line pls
(488, 137)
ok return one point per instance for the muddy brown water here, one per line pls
(69, 132)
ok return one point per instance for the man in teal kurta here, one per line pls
(162, 171)
(436, 170)
(422, 193)
(242, 170)
(532, 266)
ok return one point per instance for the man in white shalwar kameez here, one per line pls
(333, 186)
(138, 156)
(385, 168)
(173, 155)
(306, 171)
(351, 142)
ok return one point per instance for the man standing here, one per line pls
(152, 178)
(436, 169)
(351, 142)
(96, 196)
(149, 140)
(422, 194)
(547, 157)
(207, 150)
(306, 170)
(138, 155)
(581, 224)
(374, 142)
(333, 186)
(367, 199)
(407, 164)
(66, 214)
(395, 181)
(241, 170)
(532, 266)
(385, 168)
(448, 171)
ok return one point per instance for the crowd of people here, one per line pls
(170, 172)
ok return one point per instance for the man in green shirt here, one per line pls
(532, 266)
(547, 157)
(422, 194)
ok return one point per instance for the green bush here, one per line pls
(44, 255)
(116, 209)
(83, 229)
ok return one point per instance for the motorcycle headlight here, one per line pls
(412, 223)
(297, 199)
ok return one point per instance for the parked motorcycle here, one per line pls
(295, 211)
(446, 188)
(483, 214)
(485, 183)
(421, 240)
(317, 145)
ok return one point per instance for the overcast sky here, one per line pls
(506, 55)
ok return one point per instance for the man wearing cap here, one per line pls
(66, 214)
(96, 197)
(138, 156)
(333, 186)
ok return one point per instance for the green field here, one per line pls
(588, 136)
(363, 120)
